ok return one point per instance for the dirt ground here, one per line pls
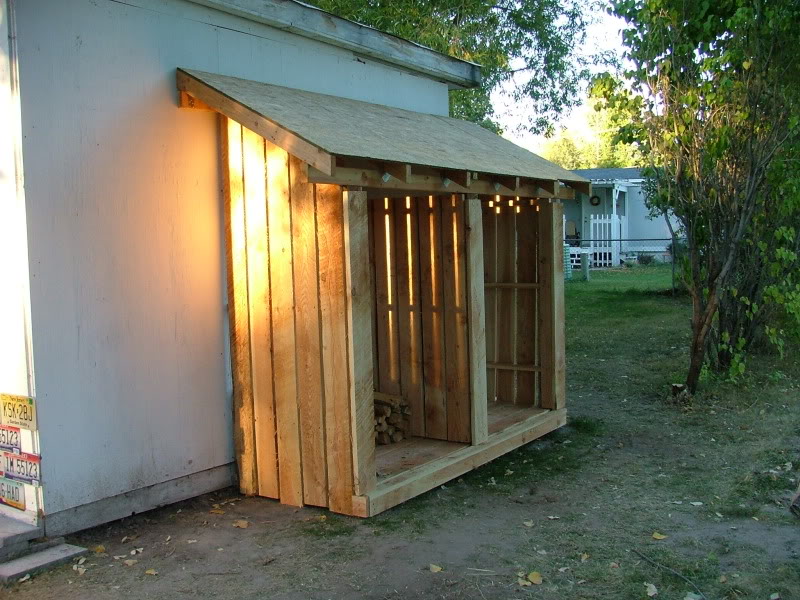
(584, 508)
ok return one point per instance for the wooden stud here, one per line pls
(550, 186)
(409, 315)
(358, 301)
(551, 308)
(526, 299)
(509, 183)
(238, 310)
(489, 218)
(259, 123)
(461, 178)
(428, 182)
(258, 262)
(454, 317)
(186, 100)
(477, 320)
(584, 187)
(310, 389)
(387, 376)
(335, 364)
(400, 171)
(431, 299)
(506, 325)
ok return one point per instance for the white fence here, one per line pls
(605, 241)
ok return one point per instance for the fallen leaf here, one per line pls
(659, 536)
(81, 570)
(123, 540)
(169, 537)
(241, 524)
(692, 596)
(509, 472)
(723, 578)
(435, 568)
(542, 552)
(775, 596)
(553, 518)
(563, 569)
(217, 511)
(651, 590)
(615, 565)
(191, 541)
(99, 549)
(584, 557)
(130, 562)
(718, 514)
(581, 581)
(522, 581)
(535, 577)
(120, 556)
(528, 523)
(151, 572)
(81, 560)
(696, 503)
(26, 578)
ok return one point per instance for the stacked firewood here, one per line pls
(392, 414)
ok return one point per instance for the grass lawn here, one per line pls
(579, 507)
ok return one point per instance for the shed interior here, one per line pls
(393, 325)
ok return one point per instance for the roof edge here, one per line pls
(311, 22)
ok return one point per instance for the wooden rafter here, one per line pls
(256, 122)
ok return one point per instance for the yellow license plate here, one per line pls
(18, 411)
(12, 493)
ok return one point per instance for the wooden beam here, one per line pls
(259, 123)
(584, 187)
(550, 186)
(476, 316)
(413, 482)
(359, 328)
(551, 311)
(462, 178)
(238, 310)
(507, 182)
(400, 171)
(427, 183)
(186, 100)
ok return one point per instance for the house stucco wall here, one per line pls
(124, 220)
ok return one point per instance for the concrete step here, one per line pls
(31, 564)
(13, 551)
(13, 532)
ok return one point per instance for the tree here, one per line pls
(530, 45)
(715, 90)
(592, 142)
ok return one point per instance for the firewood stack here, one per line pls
(392, 415)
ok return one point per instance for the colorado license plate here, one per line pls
(9, 438)
(22, 467)
(12, 493)
(17, 411)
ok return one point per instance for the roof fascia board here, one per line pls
(311, 22)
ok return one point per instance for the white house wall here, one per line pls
(125, 228)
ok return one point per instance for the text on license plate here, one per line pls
(12, 493)
(9, 438)
(18, 411)
(22, 467)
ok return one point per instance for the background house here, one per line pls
(616, 210)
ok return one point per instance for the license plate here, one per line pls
(12, 493)
(17, 411)
(22, 467)
(9, 438)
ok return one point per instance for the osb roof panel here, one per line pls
(345, 127)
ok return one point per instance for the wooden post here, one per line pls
(477, 320)
(359, 329)
(551, 313)
(585, 266)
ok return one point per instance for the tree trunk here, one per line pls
(702, 318)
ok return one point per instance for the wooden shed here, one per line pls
(393, 277)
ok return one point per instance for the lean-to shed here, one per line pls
(243, 241)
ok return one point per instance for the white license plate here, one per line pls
(9, 438)
(18, 411)
(22, 467)
(12, 493)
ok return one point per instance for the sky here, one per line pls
(602, 35)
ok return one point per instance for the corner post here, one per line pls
(551, 302)
(359, 329)
(477, 320)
